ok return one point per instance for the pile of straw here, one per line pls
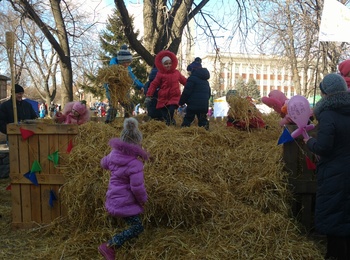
(217, 194)
(119, 82)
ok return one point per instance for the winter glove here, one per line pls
(147, 100)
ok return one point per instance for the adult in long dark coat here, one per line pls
(24, 110)
(332, 212)
(196, 95)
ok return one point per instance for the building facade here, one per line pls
(269, 72)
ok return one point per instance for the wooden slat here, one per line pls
(13, 155)
(16, 202)
(44, 152)
(36, 203)
(26, 200)
(23, 158)
(42, 179)
(33, 145)
(308, 209)
(41, 128)
(303, 186)
(45, 207)
(21, 225)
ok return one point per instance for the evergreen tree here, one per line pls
(240, 86)
(247, 89)
(252, 89)
(111, 39)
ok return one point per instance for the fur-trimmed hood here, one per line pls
(339, 102)
(128, 149)
(159, 64)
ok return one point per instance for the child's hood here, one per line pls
(128, 149)
(159, 64)
(201, 73)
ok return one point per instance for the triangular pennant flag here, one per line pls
(36, 167)
(8, 187)
(285, 137)
(70, 146)
(310, 164)
(52, 198)
(32, 177)
(26, 133)
(54, 158)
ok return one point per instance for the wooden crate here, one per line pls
(30, 203)
(301, 179)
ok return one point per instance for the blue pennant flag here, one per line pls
(52, 198)
(285, 137)
(32, 177)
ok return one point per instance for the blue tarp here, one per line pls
(34, 104)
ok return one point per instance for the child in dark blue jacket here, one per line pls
(196, 95)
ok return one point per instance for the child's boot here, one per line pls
(107, 252)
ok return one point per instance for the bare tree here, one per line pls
(62, 32)
(164, 23)
(290, 29)
(61, 46)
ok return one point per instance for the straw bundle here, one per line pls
(241, 109)
(119, 82)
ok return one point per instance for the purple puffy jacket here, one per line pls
(126, 192)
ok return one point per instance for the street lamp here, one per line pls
(79, 94)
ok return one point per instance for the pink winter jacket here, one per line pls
(126, 192)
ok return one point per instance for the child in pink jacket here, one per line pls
(74, 112)
(168, 79)
(126, 194)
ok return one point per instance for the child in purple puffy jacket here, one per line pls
(126, 194)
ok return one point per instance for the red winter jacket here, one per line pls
(168, 81)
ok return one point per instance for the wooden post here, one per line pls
(10, 44)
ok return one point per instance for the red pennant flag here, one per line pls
(26, 133)
(310, 165)
(70, 146)
(8, 187)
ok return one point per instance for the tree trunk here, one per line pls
(163, 27)
(65, 64)
(61, 47)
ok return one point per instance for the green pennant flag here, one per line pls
(36, 167)
(54, 157)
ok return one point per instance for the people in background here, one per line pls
(168, 80)
(25, 110)
(42, 110)
(52, 109)
(332, 209)
(126, 194)
(196, 95)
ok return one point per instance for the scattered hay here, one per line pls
(218, 194)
